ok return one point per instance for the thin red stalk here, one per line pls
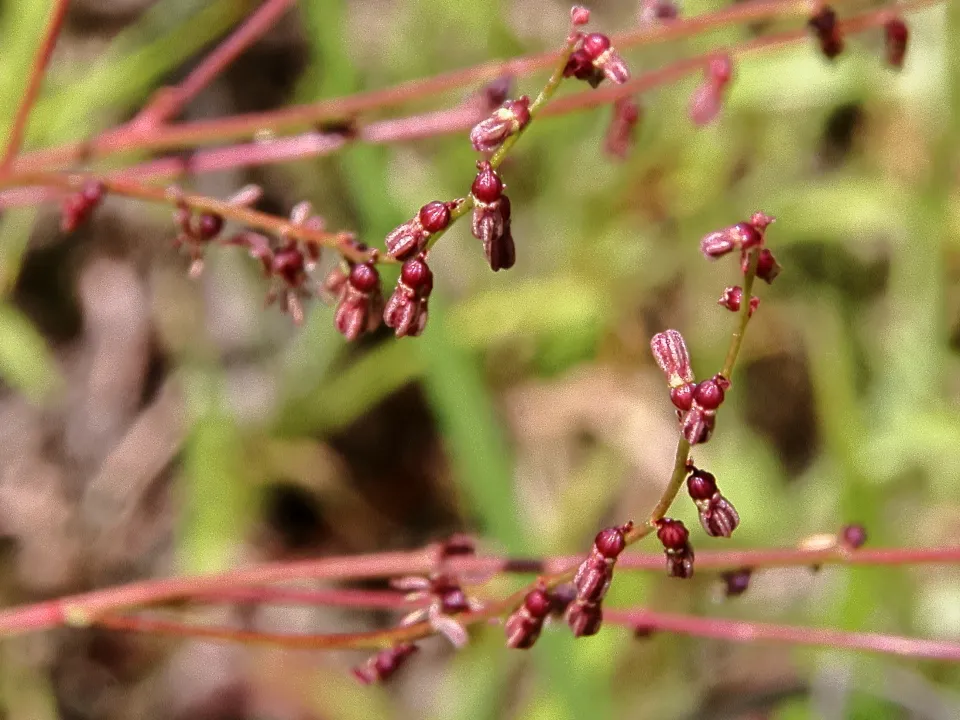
(249, 125)
(718, 628)
(743, 631)
(415, 127)
(341, 241)
(37, 71)
(367, 599)
(78, 609)
(168, 102)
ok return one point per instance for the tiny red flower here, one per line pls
(670, 351)
(595, 60)
(824, 25)
(524, 624)
(410, 239)
(620, 131)
(507, 120)
(406, 310)
(77, 207)
(676, 544)
(733, 296)
(361, 303)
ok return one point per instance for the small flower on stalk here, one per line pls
(718, 516)
(446, 598)
(596, 60)
(491, 218)
(676, 544)
(507, 120)
(406, 310)
(733, 296)
(524, 624)
(620, 131)
(697, 423)
(360, 303)
(895, 35)
(670, 351)
(197, 231)
(384, 664)
(411, 238)
(736, 582)
(77, 207)
(584, 618)
(824, 25)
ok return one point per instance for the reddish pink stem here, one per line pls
(168, 102)
(743, 631)
(37, 71)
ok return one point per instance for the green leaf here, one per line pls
(25, 361)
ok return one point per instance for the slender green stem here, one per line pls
(743, 318)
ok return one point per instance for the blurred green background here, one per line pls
(153, 424)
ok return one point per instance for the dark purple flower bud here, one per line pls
(487, 186)
(434, 216)
(895, 35)
(384, 664)
(620, 131)
(853, 536)
(718, 516)
(500, 251)
(736, 582)
(596, 572)
(709, 393)
(611, 542)
(579, 15)
(209, 226)
(584, 619)
(824, 26)
(580, 65)
(767, 266)
(505, 121)
(524, 625)
(682, 396)
(701, 485)
(406, 310)
(605, 58)
(676, 544)
(733, 296)
(361, 303)
(670, 352)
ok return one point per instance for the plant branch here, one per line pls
(348, 108)
(168, 102)
(37, 71)
(743, 631)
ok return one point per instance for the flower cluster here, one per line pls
(410, 239)
(707, 99)
(593, 579)
(594, 60)
(677, 548)
(745, 237)
(491, 217)
(445, 597)
(718, 516)
(696, 403)
(524, 624)
(77, 207)
(406, 310)
(359, 300)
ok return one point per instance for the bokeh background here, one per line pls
(152, 424)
